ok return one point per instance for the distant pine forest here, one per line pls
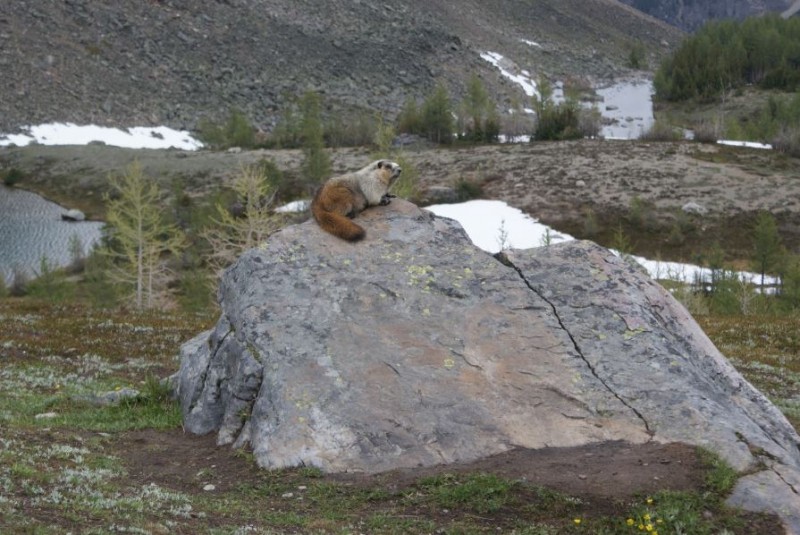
(759, 51)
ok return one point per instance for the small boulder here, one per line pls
(73, 215)
(694, 208)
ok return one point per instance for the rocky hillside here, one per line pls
(172, 62)
(691, 14)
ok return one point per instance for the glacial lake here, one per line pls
(31, 228)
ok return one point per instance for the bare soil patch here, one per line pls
(608, 471)
(603, 480)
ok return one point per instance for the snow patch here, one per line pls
(294, 207)
(140, 137)
(523, 78)
(494, 225)
(748, 144)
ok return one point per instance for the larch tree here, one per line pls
(140, 238)
(231, 234)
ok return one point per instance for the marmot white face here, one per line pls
(389, 172)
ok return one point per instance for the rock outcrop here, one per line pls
(415, 347)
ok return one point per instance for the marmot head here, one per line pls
(389, 171)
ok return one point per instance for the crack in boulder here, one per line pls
(341, 363)
(506, 261)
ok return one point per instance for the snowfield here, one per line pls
(139, 137)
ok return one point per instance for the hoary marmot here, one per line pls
(343, 197)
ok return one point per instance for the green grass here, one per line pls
(62, 474)
(766, 350)
(482, 493)
(138, 413)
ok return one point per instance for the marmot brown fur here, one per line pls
(343, 197)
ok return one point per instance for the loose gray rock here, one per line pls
(416, 348)
(694, 208)
(766, 491)
(440, 194)
(73, 215)
(112, 397)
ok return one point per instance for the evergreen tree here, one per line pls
(790, 282)
(727, 54)
(476, 108)
(437, 116)
(409, 120)
(288, 132)
(767, 250)
(317, 163)
(238, 130)
(555, 121)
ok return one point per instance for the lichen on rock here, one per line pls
(415, 348)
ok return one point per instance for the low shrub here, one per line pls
(467, 189)
(787, 141)
(353, 129)
(50, 284)
(19, 283)
(708, 131)
(12, 176)
(236, 131)
(661, 131)
(591, 227)
(558, 122)
(590, 122)
(407, 186)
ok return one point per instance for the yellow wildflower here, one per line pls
(577, 521)
(646, 517)
(641, 527)
(649, 501)
(629, 521)
(649, 527)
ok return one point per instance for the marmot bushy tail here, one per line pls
(343, 197)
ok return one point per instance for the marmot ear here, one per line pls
(380, 164)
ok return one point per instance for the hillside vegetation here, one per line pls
(763, 51)
(736, 80)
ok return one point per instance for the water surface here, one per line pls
(629, 105)
(31, 228)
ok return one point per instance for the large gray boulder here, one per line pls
(415, 348)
